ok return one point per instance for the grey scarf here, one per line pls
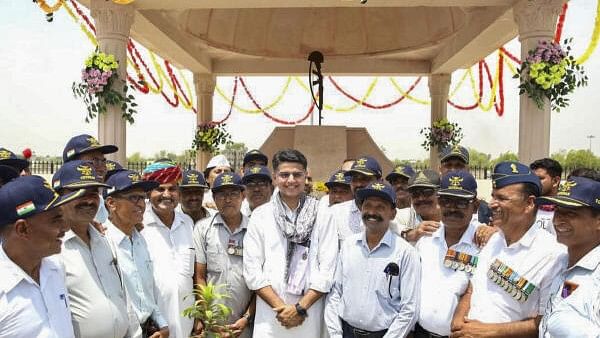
(297, 230)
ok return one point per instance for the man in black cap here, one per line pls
(398, 178)
(423, 217)
(96, 297)
(219, 251)
(254, 158)
(32, 288)
(454, 157)
(339, 187)
(259, 188)
(376, 289)
(191, 189)
(346, 215)
(511, 286)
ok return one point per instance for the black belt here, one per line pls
(350, 331)
(420, 332)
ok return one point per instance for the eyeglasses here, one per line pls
(458, 203)
(223, 195)
(422, 193)
(257, 184)
(135, 199)
(297, 175)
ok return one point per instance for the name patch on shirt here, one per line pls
(461, 261)
(517, 286)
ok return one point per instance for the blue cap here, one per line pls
(458, 184)
(254, 155)
(10, 159)
(401, 171)
(257, 171)
(125, 180)
(84, 143)
(457, 151)
(365, 165)
(337, 178)
(112, 167)
(192, 178)
(26, 196)
(76, 175)
(425, 179)
(377, 189)
(575, 193)
(227, 180)
(7, 173)
(511, 172)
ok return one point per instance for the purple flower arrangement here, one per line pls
(441, 134)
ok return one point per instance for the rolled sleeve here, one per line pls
(410, 295)
(333, 303)
(325, 255)
(254, 255)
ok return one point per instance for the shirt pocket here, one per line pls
(186, 257)
(388, 295)
(215, 260)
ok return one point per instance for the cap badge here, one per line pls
(514, 169)
(134, 177)
(455, 182)
(110, 166)
(565, 188)
(339, 177)
(255, 170)
(4, 154)
(226, 179)
(25, 208)
(192, 178)
(399, 170)
(361, 163)
(421, 178)
(93, 142)
(378, 186)
(85, 173)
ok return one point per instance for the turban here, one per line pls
(162, 172)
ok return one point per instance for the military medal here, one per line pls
(231, 250)
(304, 256)
(516, 286)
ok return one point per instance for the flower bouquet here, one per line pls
(210, 136)
(550, 72)
(97, 89)
(441, 134)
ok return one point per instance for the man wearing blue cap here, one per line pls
(454, 157)
(191, 190)
(376, 287)
(97, 299)
(254, 158)
(259, 188)
(87, 148)
(511, 286)
(125, 201)
(570, 312)
(346, 215)
(168, 233)
(398, 178)
(290, 250)
(449, 255)
(339, 187)
(219, 251)
(33, 294)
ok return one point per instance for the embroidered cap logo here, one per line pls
(134, 177)
(565, 188)
(361, 163)
(4, 154)
(339, 177)
(226, 179)
(85, 173)
(455, 182)
(192, 178)
(378, 186)
(255, 170)
(93, 142)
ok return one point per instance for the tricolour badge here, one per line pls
(25, 208)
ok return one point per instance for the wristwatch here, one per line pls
(301, 311)
(248, 317)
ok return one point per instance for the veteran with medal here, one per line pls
(449, 256)
(511, 286)
(572, 310)
(219, 252)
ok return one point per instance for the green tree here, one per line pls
(478, 159)
(581, 158)
(136, 157)
(507, 156)
(236, 147)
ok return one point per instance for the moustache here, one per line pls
(376, 217)
(456, 214)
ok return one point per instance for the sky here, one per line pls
(40, 60)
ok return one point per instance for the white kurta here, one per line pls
(265, 249)
(172, 253)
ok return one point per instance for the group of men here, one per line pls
(103, 251)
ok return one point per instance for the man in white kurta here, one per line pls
(169, 236)
(282, 311)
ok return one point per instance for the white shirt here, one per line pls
(31, 310)
(265, 249)
(442, 287)
(134, 260)
(96, 295)
(172, 253)
(536, 256)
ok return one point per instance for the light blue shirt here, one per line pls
(361, 293)
(577, 315)
(134, 259)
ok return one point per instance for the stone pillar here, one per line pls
(205, 89)
(113, 23)
(439, 85)
(536, 20)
